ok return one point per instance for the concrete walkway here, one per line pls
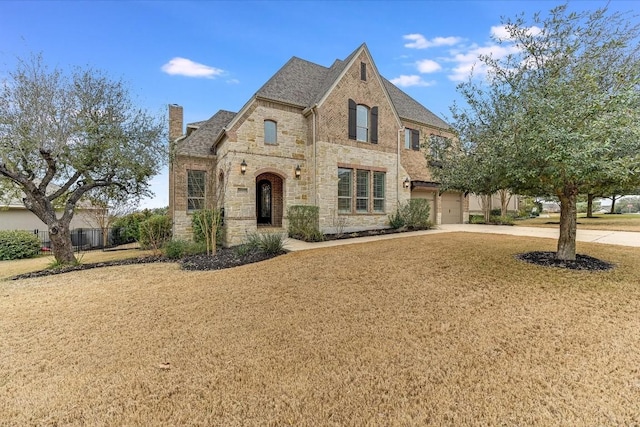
(623, 238)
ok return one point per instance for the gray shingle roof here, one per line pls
(200, 141)
(302, 83)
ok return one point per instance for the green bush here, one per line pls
(476, 219)
(269, 243)
(501, 220)
(396, 220)
(18, 245)
(127, 228)
(155, 232)
(304, 223)
(176, 249)
(202, 221)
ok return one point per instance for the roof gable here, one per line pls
(200, 141)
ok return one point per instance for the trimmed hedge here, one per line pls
(18, 245)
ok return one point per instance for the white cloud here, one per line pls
(428, 66)
(500, 32)
(186, 67)
(468, 60)
(233, 81)
(413, 80)
(420, 42)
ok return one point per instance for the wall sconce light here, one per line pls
(243, 167)
(406, 182)
(298, 172)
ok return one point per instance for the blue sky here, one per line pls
(208, 56)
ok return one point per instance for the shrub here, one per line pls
(502, 220)
(269, 243)
(476, 219)
(176, 249)
(155, 232)
(416, 214)
(396, 220)
(18, 245)
(304, 223)
(127, 228)
(202, 223)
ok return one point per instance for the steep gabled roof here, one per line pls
(410, 109)
(200, 141)
(303, 84)
(296, 83)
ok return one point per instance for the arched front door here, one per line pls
(269, 199)
(264, 205)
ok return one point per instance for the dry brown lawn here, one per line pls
(21, 266)
(626, 222)
(443, 329)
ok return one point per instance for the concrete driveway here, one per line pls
(623, 238)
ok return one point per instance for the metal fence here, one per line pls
(83, 239)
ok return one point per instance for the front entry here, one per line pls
(264, 202)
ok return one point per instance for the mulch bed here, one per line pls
(367, 233)
(582, 262)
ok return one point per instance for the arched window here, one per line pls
(270, 132)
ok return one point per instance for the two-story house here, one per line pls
(342, 138)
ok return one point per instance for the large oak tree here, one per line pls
(560, 114)
(64, 136)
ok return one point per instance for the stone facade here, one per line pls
(301, 167)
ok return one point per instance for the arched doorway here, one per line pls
(269, 200)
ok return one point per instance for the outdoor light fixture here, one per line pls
(243, 167)
(298, 171)
(407, 182)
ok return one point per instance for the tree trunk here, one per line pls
(486, 207)
(61, 244)
(613, 204)
(505, 197)
(568, 211)
(590, 205)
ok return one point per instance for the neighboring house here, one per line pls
(475, 204)
(15, 216)
(342, 138)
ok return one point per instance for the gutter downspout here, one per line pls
(315, 156)
(399, 186)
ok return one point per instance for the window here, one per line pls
(363, 71)
(437, 144)
(369, 186)
(378, 191)
(362, 191)
(270, 129)
(363, 123)
(412, 139)
(344, 190)
(195, 190)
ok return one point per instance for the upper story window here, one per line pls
(363, 122)
(363, 71)
(437, 145)
(412, 139)
(270, 132)
(195, 190)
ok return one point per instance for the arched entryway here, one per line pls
(269, 200)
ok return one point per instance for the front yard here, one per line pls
(443, 329)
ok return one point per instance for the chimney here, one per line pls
(175, 122)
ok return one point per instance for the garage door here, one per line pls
(451, 208)
(431, 197)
